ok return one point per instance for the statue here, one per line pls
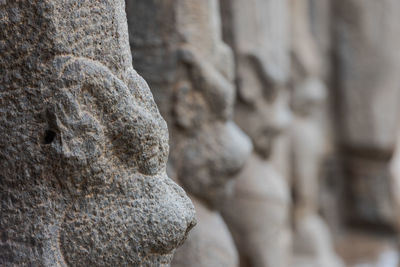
(313, 245)
(83, 148)
(192, 82)
(258, 211)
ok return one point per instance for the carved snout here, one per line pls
(236, 148)
(175, 216)
(280, 116)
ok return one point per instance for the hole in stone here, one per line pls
(49, 136)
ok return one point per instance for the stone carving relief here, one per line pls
(258, 211)
(178, 48)
(83, 148)
(313, 245)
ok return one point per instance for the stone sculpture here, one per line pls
(313, 245)
(178, 48)
(366, 37)
(312, 242)
(258, 212)
(83, 148)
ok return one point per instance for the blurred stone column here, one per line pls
(367, 80)
(395, 184)
(331, 175)
(258, 211)
(320, 23)
(178, 48)
(313, 245)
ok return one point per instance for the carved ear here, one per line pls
(257, 80)
(250, 83)
(189, 106)
(132, 127)
(80, 134)
(208, 83)
(73, 140)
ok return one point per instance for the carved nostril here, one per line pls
(192, 223)
(49, 136)
(177, 215)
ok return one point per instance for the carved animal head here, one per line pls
(208, 147)
(262, 109)
(83, 147)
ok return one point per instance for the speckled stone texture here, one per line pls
(83, 148)
(178, 48)
(258, 212)
(366, 38)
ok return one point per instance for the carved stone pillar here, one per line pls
(83, 148)
(313, 245)
(258, 212)
(366, 40)
(178, 48)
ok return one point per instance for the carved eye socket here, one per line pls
(249, 84)
(49, 136)
(190, 106)
(258, 80)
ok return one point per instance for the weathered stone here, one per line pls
(320, 15)
(258, 215)
(178, 48)
(311, 241)
(83, 148)
(331, 176)
(258, 211)
(366, 249)
(366, 75)
(312, 244)
(307, 144)
(366, 38)
(209, 244)
(395, 184)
